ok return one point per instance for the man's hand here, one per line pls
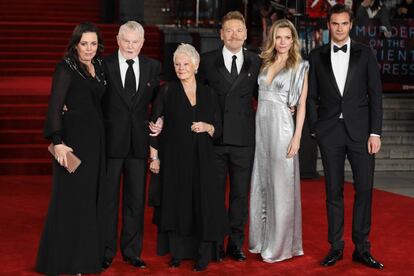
(374, 144)
(157, 127)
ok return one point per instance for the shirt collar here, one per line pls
(228, 54)
(123, 60)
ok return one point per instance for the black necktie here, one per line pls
(343, 48)
(130, 81)
(233, 71)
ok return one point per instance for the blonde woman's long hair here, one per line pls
(269, 53)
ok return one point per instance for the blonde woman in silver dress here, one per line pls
(275, 207)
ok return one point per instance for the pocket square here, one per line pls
(249, 75)
(148, 84)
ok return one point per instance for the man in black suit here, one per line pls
(232, 73)
(132, 81)
(345, 115)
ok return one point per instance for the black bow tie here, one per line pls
(343, 48)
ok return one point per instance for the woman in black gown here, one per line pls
(191, 214)
(70, 243)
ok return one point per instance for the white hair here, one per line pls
(188, 50)
(131, 26)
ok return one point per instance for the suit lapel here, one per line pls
(222, 68)
(352, 65)
(143, 80)
(116, 76)
(243, 72)
(326, 60)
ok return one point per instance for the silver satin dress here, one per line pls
(275, 229)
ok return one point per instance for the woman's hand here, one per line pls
(293, 147)
(60, 154)
(200, 127)
(155, 165)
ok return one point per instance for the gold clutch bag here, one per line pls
(72, 160)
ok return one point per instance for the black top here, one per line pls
(68, 77)
(71, 237)
(181, 152)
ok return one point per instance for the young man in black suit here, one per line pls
(132, 81)
(232, 72)
(345, 115)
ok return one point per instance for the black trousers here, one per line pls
(334, 147)
(238, 163)
(133, 203)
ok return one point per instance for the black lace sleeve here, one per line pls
(218, 124)
(157, 110)
(60, 86)
(99, 71)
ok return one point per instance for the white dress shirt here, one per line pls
(123, 67)
(228, 59)
(340, 64)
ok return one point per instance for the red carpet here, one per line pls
(25, 199)
(49, 10)
(33, 38)
(34, 34)
(23, 105)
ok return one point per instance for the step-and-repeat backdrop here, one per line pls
(395, 55)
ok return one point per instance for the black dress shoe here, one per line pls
(135, 261)
(366, 259)
(174, 262)
(106, 263)
(332, 257)
(236, 254)
(200, 266)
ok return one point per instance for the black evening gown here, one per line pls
(190, 214)
(71, 239)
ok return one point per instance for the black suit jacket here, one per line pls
(235, 98)
(361, 103)
(126, 122)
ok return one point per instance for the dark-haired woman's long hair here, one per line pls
(72, 53)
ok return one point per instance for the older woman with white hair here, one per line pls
(190, 215)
